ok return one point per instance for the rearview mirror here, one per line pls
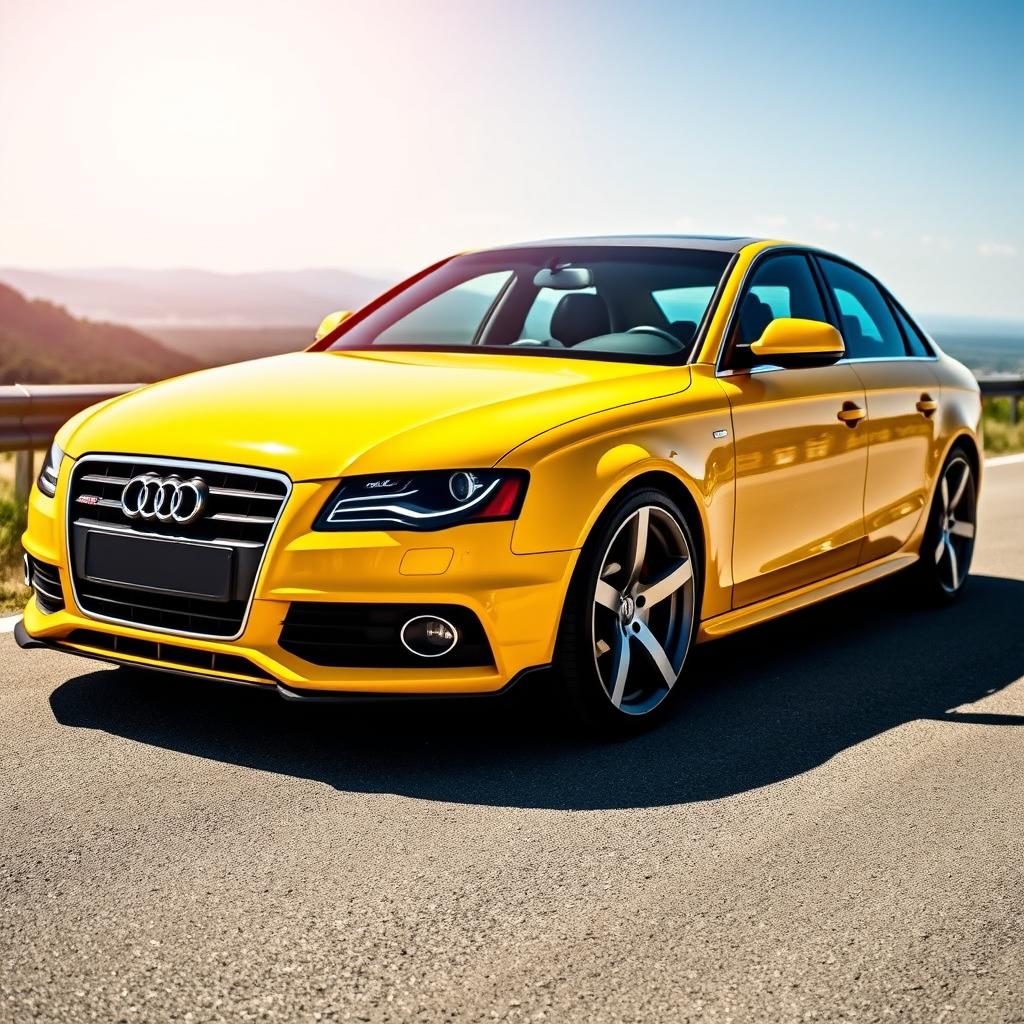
(564, 279)
(331, 321)
(789, 341)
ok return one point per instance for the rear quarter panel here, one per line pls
(960, 407)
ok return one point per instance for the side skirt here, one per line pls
(794, 600)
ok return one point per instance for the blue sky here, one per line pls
(381, 135)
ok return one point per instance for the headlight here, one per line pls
(48, 472)
(424, 501)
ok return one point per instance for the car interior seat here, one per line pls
(755, 316)
(579, 316)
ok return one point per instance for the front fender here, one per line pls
(576, 471)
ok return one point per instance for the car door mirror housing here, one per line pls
(789, 341)
(331, 321)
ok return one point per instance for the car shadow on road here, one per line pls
(763, 706)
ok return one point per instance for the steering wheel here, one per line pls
(535, 343)
(646, 329)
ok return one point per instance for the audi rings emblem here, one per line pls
(164, 498)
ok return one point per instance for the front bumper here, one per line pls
(517, 598)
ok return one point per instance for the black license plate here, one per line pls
(167, 566)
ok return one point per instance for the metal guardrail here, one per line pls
(1004, 387)
(30, 414)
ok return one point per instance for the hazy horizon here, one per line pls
(375, 284)
(378, 137)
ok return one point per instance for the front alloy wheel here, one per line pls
(631, 615)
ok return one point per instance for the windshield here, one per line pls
(616, 302)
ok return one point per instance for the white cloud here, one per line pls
(936, 242)
(997, 249)
(772, 221)
(825, 224)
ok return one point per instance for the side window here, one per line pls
(866, 322)
(782, 286)
(451, 318)
(916, 345)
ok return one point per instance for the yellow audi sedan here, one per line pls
(587, 453)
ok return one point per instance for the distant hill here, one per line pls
(214, 318)
(213, 346)
(145, 298)
(40, 343)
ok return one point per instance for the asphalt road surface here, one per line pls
(832, 829)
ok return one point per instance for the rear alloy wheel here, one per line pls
(632, 613)
(949, 540)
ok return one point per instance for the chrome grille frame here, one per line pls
(169, 464)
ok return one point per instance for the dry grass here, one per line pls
(13, 592)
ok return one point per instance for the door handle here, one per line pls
(927, 405)
(851, 414)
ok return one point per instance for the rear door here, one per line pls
(902, 393)
(800, 470)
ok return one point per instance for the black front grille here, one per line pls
(44, 580)
(169, 655)
(241, 511)
(345, 635)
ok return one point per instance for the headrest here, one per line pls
(579, 316)
(755, 316)
(853, 335)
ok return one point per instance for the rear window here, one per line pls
(916, 344)
(865, 319)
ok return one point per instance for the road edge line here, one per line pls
(1005, 460)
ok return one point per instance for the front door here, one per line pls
(800, 474)
(800, 467)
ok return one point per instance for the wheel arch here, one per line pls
(967, 442)
(680, 493)
(684, 493)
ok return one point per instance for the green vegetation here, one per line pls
(1001, 436)
(12, 524)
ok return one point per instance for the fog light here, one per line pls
(429, 636)
(26, 567)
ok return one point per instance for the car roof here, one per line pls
(710, 243)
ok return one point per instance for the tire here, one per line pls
(948, 543)
(629, 620)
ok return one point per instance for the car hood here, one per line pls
(320, 414)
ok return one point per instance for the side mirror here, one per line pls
(789, 341)
(331, 321)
